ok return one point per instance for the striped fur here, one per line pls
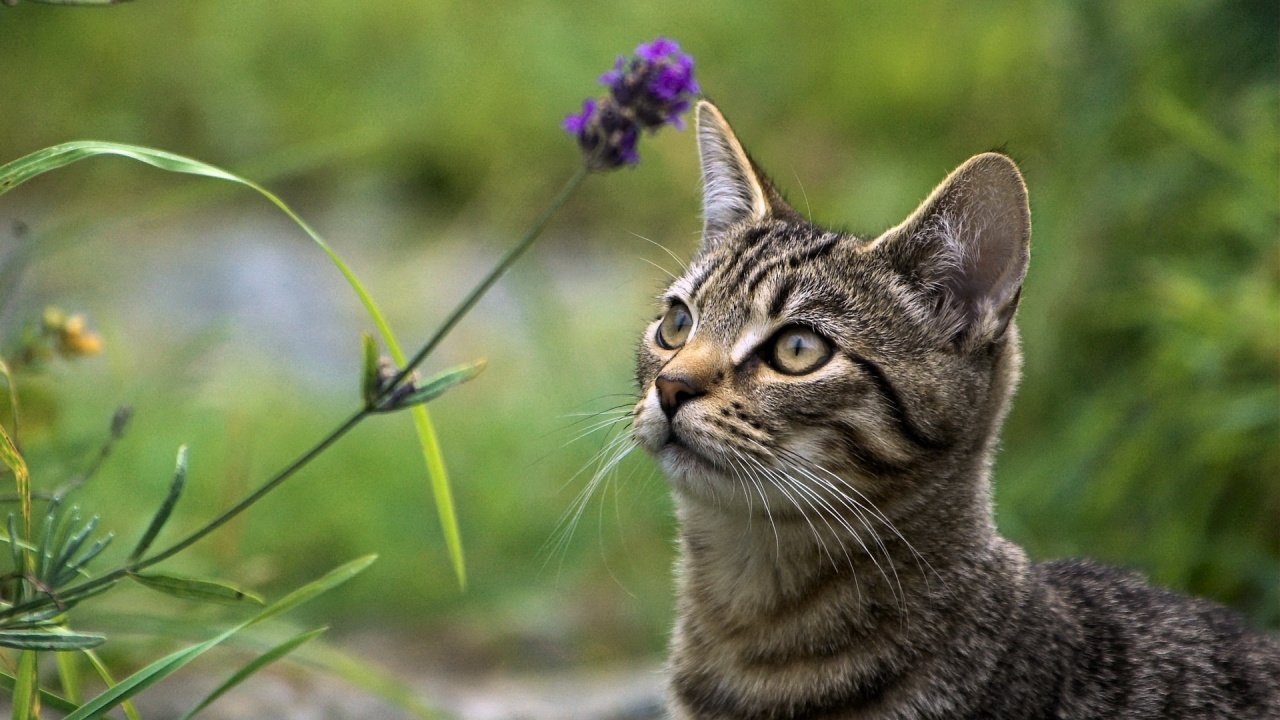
(838, 557)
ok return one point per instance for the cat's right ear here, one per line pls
(732, 191)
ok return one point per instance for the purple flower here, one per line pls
(575, 124)
(657, 50)
(651, 89)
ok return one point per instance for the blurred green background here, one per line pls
(420, 137)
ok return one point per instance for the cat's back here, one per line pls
(1137, 651)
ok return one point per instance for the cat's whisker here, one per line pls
(895, 583)
(666, 250)
(664, 270)
(605, 461)
(767, 512)
(782, 488)
(919, 558)
(815, 501)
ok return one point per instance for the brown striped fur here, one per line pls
(838, 553)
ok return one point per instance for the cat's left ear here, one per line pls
(966, 249)
(734, 191)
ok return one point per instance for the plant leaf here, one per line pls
(48, 699)
(215, 591)
(19, 171)
(10, 456)
(158, 670)
(254, 666)
(26, 687)
(166, 508)
(369, 373)
(69, 677)
(101, 668)
(38, 640)
(438, 384)
(13, 395)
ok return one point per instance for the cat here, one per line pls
(826, 408)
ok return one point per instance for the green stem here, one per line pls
(498, 271)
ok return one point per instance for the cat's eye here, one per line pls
(674, 329)
(797, 351)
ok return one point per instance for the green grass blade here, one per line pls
(39, 640)
(10, 456)
(69, 677)
(369, 371)
(162, 668)
(27, 687)
(254, 666)
(25, 168)
(214, 591)
(166, 508)
(13, 396)
(100, 667)
(47, 699)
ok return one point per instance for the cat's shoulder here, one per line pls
(1104, 595)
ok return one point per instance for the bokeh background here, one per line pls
(421, 136)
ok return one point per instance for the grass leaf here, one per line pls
(369, 373)
(69, 676)
(215, 591)
(26, 691)
(47, 699)
(100, 667)
(10, 456)
(166, 508)
(41, 640)
(19, 171)
(162, 668)
(254, 666)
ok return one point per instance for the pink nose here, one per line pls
(674, 392)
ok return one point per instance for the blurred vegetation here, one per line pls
(421, 136)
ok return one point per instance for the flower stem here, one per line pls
(498, 271)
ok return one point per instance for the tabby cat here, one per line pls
(826, 407)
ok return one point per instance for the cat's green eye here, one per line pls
(797, 351)
(674, 329)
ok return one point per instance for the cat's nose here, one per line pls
(674, 391)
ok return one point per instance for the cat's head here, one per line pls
(789, 359)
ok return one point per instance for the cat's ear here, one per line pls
(733, 192)
(967, 247)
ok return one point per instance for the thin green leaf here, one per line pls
(331, 579)
(19, 557)
(26, 687)
(254, 666)
(438, 384)
(37, 640)
(69, 677)
(101, 668)
(166, 508)
(440, 489)
(158, 670)
(369, 373)
(25, 168)
(47, 699)
(10, 456)
(13, 395)
(215, 591)
(74, 543)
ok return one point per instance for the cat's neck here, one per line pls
(747, 564)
